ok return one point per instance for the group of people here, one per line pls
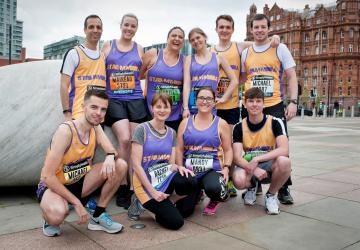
(178, 139)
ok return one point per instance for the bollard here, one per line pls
(314, 113)
(344, 113)
(302, 113)
(352, 111)
(325, 111)
(334, 113)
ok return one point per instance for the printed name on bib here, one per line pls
(159, 174)
(265, 83)
(74, 171)
(172, 91)
(122, 82)
(199, 163)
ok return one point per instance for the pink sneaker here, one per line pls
(211, 207)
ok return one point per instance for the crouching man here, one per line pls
(263, 140)
(69, 176)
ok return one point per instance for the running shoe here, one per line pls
(250, 195)
(135, 209)
(284, 196)
(104, 223)
(90, 206)
(211, 208)
(231, 189)
(51, 231)
(271, 204)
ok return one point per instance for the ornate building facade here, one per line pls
(325, 43)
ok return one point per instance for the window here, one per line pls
(306, 51)
(343, 6)
(316, 50)
(324, 49)
(341, 34)
(277, 26)
(314, 80)
(307, 38)
(324, 70)
(317, 36)
(306, 71)
(278, 17)
(324, 79)
(351, 33)
(340, 67)
(305, 81)
(282, 39)
(349, 80)
(284, 26)
(324, 35)
(340, 82)
(272, 18)
(318, 21)
(315, 71)
(350, 47)
(341, 48)
(350, 67)
(323, 91)
(349, 90)
(340, 91)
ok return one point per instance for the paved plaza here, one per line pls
(325, 153)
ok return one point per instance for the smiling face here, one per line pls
(197, 39)
(175, 40)
(224, 29)
(254, 106)
(93, 30)
(260, 30)
(128, 27)
(205, 101)
(161, 110)
(95, 110)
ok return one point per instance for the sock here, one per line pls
(269, 194)
(253, 182)
(122, 191)
(98, 211)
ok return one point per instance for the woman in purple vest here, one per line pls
(127, 106)
(156, 176)
(202, 69)
(164, 73)
(204, 147)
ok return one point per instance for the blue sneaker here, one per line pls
(51, 231)
(90, 206)
(104, 223)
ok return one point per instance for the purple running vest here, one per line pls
(155, 160)
(122, 74)
(202, 148)
(168, 79)
(202, 75)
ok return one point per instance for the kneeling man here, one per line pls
(69, 176)
(263, 140)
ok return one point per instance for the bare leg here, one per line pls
(281, 170)
(54, 208)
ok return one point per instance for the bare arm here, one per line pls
(186, 87)
(282, 149)
(106, 48)
(64, 95)
(225, 136)
(179, 159)
(234, 82)
(149, 60)
(293, 92)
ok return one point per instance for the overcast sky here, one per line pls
(47, 21)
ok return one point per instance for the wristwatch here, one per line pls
(293, 101)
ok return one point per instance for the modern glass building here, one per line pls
(57, 50)
(11, 30)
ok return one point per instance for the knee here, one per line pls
(173, 223)
(239, 179)
(121, 166)
(55, 213)
(124, 141)
(283, 164)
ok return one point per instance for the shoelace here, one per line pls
(108, 219)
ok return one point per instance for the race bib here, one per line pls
(199, 163)
(74, 171)
(159, 174)
(222, 86)
(122, 82)
(172, 91)
(265, 83)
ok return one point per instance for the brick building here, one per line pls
(324, 42)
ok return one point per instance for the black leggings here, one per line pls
(169, 215)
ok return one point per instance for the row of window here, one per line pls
(324, 49)
(324, 70)
(340, 91)
(324, 35)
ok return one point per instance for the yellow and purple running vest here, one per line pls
(232, 56)
(259, 142)
(77, 157)
(90, 73)
(264, 70)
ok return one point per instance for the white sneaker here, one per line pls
(271, 204)
(250, 195)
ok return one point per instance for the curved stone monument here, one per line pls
(30, 112)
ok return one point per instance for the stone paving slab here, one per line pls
(210, 241)
(355, 246)
(288, 231)
(334, 210)
(34, 239)
(341, 176)
(152, 234)
(352, 195)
